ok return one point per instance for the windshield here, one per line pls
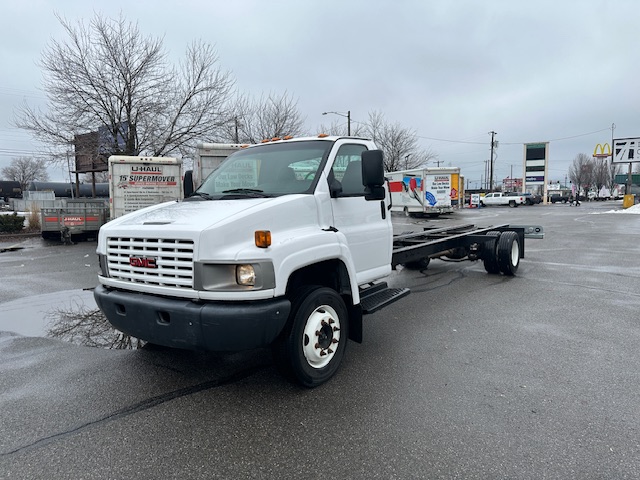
(267, 170)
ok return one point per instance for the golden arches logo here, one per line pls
(602, 150)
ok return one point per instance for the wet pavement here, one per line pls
(40, 276)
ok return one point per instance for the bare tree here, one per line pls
(108, 76)
(581, 172)
(601, 174)
(101, 177)
(268, 117)
(614, 169)
(340, 128)
(85, 326)
(26, 170)
(399, 144)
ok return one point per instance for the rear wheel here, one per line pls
(489, 258)
(512, 203)
(312, 345)
(508, 253)
(421, 264)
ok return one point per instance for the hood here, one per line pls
(197, 214)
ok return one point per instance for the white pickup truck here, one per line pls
(500, 198)
(286, 244)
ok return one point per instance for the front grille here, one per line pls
(151, 261)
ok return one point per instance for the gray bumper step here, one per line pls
(380, 295)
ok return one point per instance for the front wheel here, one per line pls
(311, 347)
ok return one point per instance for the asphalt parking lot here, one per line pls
(472, 376)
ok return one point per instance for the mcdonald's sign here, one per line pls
(602, 151)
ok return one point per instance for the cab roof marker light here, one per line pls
(322, 135)
(287, 137)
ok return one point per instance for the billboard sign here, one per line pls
(626, 150)
(536, 156)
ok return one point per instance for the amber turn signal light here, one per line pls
(263, 238)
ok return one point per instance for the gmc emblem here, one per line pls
(143, 262)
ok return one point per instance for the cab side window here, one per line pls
(347, 169)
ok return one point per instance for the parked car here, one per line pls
(558, 197)
(531, 198)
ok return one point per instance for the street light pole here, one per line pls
(491, 166)
(347, 115)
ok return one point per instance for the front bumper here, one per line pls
(181, 323)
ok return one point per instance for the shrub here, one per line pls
(34, 219)
(11, 223)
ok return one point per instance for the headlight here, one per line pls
(246, 275)
(226, 277)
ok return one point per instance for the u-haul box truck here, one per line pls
(138, 182)
(208, 157)
(425, 191)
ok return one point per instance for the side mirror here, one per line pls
(373, 174)
(372, 168)
(375, 193)
(188, 183)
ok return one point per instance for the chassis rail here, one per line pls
(457, 241)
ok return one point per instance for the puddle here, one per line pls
(28, 316)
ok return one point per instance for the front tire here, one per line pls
(312, 345)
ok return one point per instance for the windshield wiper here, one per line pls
(243, 190)
(246, 192)
(204, 195)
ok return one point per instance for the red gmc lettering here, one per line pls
(143, 262)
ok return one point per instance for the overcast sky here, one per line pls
(561, 71)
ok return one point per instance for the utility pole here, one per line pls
(491, 169)
(486, 176)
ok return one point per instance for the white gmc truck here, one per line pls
(500, 198)
(286, 244)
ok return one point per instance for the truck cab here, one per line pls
(275, 248)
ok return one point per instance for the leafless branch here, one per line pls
(89, 327)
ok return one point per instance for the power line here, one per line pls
(512, 143)
(563, 138)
